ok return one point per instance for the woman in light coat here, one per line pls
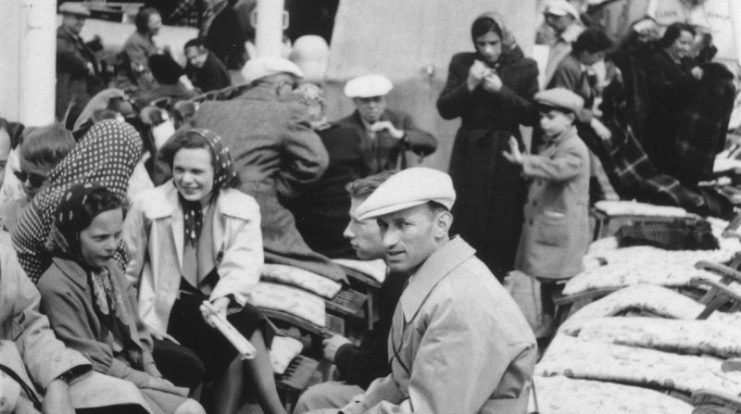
(197, 238)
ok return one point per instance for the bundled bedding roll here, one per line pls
(602, 361)
(562, 395)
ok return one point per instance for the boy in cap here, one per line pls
(458, 343)
(555, 233)
(387, 134)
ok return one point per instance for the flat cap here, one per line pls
(561, 98)
(77, 9)
(260, 67)
(368, 86)
(561, 8)
(408, 188)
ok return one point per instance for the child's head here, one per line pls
(41, 150)
(88, 225)
(558, 108)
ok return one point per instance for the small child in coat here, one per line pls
(555, 232)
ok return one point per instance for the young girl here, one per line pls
(197, 238)
(85, 294)
(555, 232)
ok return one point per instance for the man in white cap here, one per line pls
(78, 69)
(276, 154)
(563, 18)
(458, 343)
(388, 135)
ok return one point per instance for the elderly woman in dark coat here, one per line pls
(490, 90)
(690, 104)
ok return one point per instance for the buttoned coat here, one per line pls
(276, 154)
(555, 233)
(67, 297)
(458, 343)
(386, 152)
(154, 234)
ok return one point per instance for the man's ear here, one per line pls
(442, 224)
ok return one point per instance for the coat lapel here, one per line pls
(432, 271)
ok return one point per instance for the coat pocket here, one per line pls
(551, 228)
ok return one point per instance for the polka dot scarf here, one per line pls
(224, 176)
(107, 154)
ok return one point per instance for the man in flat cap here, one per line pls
(458, 343)
(387, 135)
(78, 69)
(276, 154)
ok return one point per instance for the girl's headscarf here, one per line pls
(509, 43)
(224, 177)
(107, 154)
(64, 240)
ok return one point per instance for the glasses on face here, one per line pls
(34, 179)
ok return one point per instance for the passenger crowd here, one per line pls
(162, 187)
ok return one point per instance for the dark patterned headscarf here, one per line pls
(107, 154)
(64, 241)
(224, 175)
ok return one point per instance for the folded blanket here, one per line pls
(671, 335)
(375, 269)
(291, 300)
(301, 278)
(562, 395)
(634, 208)
(595, 360)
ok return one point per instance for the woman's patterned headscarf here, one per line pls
(107, 154)
(309, 94)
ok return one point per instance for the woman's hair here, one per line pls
(97, 201)
(592, 40)
(46, 145)
(484, 25)
(142, 19)
(673, 32)
(186, 138)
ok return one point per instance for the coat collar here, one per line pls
(564, 136)
(165, 203)
(72, 270)
(432, 271)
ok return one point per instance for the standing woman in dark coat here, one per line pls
(491, 91)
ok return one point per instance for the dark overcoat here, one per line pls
(490, 190)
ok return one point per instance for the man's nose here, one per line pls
(389, 238)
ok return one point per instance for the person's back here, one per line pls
(276, 155)
(255, 127)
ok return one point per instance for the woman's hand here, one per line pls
(492, 82)
(697, 72)
(161, 336)
(220, 305)
(57, 399)
(476, 74)
(152, 370)
(514, 155)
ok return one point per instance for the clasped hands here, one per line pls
(379, 126)
(480, 74)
